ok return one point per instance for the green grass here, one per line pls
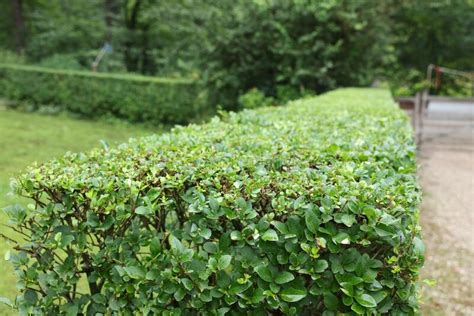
(26, 138)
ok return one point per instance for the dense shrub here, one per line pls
(129, 97)
(301, 45)
(255, 98)
(62, 61)
(301, 209)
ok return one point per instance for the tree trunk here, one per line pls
(111, 10)
(19, 32)
(131, 22)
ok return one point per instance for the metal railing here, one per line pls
(438, 70)
(422, 101)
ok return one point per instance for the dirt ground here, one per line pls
(446, 161)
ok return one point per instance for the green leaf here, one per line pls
(6, 301)
(258, 296)
(98, 298)
(235, 235)
(284, 277)
(155, 246)
(341, 238)
(210, 247)
(179, 294)
(331, 301)
(384, 231)
(186, 255)
(135, 272)
(347, 300)
(213, 203)
(358, 309)
(336, 266)
(348, 278)
(264, 273)
(370, 213)
(241, 203)
(418, 246)
(292, 295)
(188, 284)
(348, 219)
(152, 275)
(281, 227)
(176, 244)
(66, 240)
(347, 289)
(72, 310)
(321, 265)
(224, 242)
(58, 237)
(312, 220)
(270, 235)
(108, 222)
(224, 262)
(430, 282)
(143, 210)
(222, 311)
(92, 219)
(205, 233)
(366, 300)
(326, 203)
(30, 296)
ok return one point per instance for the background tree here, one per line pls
(19, 25)
(283, 48)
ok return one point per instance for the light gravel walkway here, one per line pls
(447, 176)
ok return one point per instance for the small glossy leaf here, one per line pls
(270, 235)
(179, 295)
(292, 295)
(282, 228)
(224, 262)
(30, 296)
(135, 272)
(366, 300)
(235, 235)
(205, 233)
(264, 273)
(321, 265)
(348, 219)
(284, 277)
(143, 210)
(312, 220)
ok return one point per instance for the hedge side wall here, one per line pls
(93, 95)
(306, 209)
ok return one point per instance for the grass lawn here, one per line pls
(29, 137)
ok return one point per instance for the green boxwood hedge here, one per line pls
(306, 209)
(91, 95)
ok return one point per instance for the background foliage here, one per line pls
(133, 98)
(237, 45)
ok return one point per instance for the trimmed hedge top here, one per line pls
(132, 98)
(103, 75)
(306, 209)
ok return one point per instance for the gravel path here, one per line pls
(447, 218)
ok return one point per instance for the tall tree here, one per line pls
(17, 8)
(132, 9)
(111, 10)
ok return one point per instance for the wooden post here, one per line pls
(421, 107)
(416, 118)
